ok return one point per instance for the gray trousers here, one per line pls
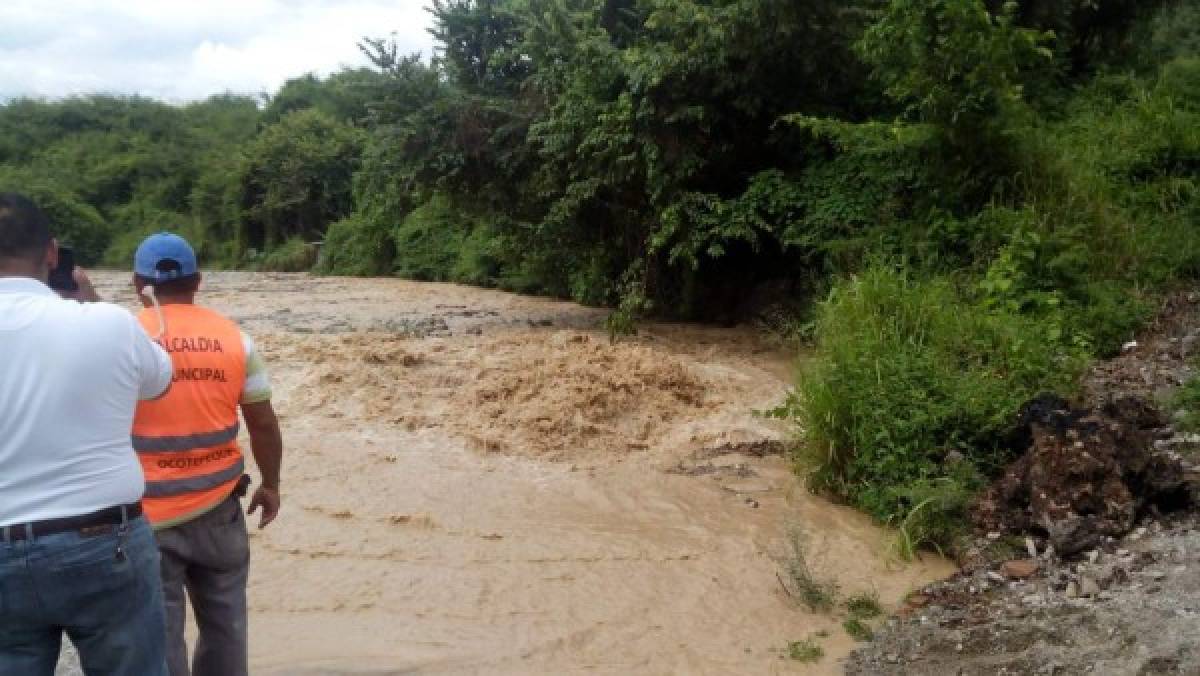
(210, 557)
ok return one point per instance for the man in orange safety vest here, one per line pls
(194, 469)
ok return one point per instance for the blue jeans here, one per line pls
(102, 589)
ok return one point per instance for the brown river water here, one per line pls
(479, 482)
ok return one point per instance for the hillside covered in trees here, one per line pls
(958, 202)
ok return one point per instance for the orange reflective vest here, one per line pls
(187, 441)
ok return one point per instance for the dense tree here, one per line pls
(296, 178)
(671, 152)
(345, 95)
(989, 191)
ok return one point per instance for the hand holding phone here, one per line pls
(62, 278)
(70, 281)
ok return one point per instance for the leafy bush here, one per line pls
(295, 255)
(439, 242)
(952, 62)
(428, 241)
(295, 178)
(1093, 218)
(120, 252)
(905, 372)
(479, 260)
(1172, 32)
(141, 217)
(1110, 194)
(357, 246)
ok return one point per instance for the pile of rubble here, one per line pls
(1088, 474)
(1129, 606)
(1087, 555)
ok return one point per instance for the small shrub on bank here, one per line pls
(295, 255)
(864, 605)
(936, 513)
(357, 246)
(438, 242)
(818, 594)
(478, 261)
(907, 371)
(805, 651)
(427, 242)
(857, 629)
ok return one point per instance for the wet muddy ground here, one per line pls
(478, 482)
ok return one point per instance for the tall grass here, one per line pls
(907, 370)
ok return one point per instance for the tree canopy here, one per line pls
(969, 196)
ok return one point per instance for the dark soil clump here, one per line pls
(1087, 475)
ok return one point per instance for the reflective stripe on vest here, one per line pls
(162, 489)
(187, 440)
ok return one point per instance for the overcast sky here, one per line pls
(181, 50)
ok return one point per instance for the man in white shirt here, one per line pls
(76, 555)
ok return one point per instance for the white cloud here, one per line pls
(189, 49)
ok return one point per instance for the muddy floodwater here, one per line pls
(479, 482)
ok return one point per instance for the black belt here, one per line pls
(111, 516)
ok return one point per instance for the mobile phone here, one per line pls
(62, 278)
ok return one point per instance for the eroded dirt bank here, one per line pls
(1118, 595)
(478, 482)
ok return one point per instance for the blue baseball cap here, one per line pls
(162, 248)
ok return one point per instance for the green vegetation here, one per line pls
(908, 369)
(821, 595)
(817, 594)
(936, 513)
(294, 255)
(861, 608)
(957, 202)
(1187, 402)
(294, 179)
(111, 170)
(857, 629)
(864, 605)
(805, 651)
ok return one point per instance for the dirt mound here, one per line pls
(1087, 475)
(1125, 605)
(579, 395)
